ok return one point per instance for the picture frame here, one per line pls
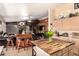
(76, 5)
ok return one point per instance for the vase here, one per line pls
(23, 32)
(50, 39)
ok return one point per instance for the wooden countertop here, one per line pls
(54, 46)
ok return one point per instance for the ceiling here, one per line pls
(23, 11)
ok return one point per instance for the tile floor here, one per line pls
(14, 52)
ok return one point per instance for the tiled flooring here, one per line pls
(14, 52)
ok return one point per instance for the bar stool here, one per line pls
(9, 42)
(21, 44)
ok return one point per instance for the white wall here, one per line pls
(2, 13)
(3, 25)
(64, 8)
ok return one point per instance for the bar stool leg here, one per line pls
(18, 42)
(12, 44)
(7, 45)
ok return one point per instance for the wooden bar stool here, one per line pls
(9, 42)
(20, 44)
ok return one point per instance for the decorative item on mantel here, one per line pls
(49, 35)
(22, 27)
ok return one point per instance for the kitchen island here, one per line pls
(55, 48)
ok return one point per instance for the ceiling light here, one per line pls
(25, 17)
(29, 21)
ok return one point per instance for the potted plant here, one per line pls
(49, 35)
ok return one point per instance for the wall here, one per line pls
(67, 24)
(3, 25)
(64, 9)
(44, 23)
(11, 28)
(2, 12)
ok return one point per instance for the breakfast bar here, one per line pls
(55, 48)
